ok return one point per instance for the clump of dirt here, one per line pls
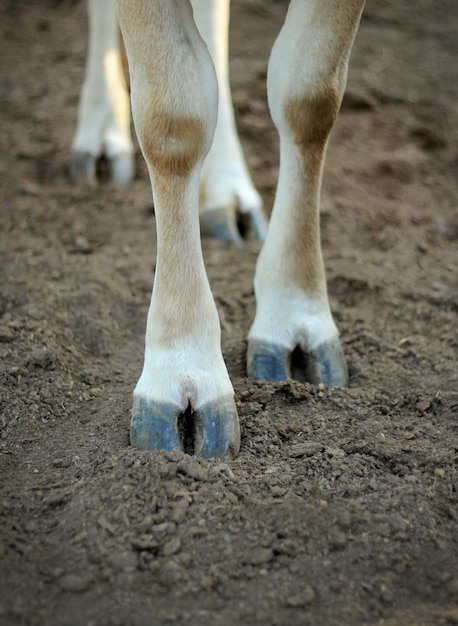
(341, 507)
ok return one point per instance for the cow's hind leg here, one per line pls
(184, 398)
(231, 207)
(103, 127)
(293, 334)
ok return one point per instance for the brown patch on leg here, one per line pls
(312, 118)
(172, 144)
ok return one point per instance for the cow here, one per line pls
(184, 398)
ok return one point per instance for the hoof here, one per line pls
(325, 364)
(122, 168)
(211, 431)
(228, 224)
(267, 361)
(84, 168)
(328, 363)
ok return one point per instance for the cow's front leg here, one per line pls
(231, 206)
(103, 127)
(293, 334)
(184, 398)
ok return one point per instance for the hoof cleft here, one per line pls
(209, 431)
(229, 224)
(324, 364)
(85, 169)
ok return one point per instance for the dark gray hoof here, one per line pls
(228, 224)
(267, 361)
(84, 169)
(325, 364)
(211, 431)
(220, 224)
(122, 168)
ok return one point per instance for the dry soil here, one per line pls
(341, 507)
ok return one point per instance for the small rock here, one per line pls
(422, 406)
(309, 448)
(192, 468)
(162, 528)
(179, 512)
(258, 556)
(337, 540)
(197, 531)
(285, 546)
(172, 547)
(452, 587)
(222, 468)
(42, 359)
(278, 491)
(82, 245)
(170, 574)
(123, 561)
(61, 462)
(76, 584)
(262, 396)
(335, 452)
(106, 525)
(6, 334)
(304, 598)
(232, 497)
(451, 616)
(144, 542)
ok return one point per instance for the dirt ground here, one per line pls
(341, 507)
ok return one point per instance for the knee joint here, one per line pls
(173, 145)
(311, 117)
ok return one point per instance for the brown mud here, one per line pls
(341, 507)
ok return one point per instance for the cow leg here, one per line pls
(293, 334)
(103, 126)
(230, 203)
(184, 398)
